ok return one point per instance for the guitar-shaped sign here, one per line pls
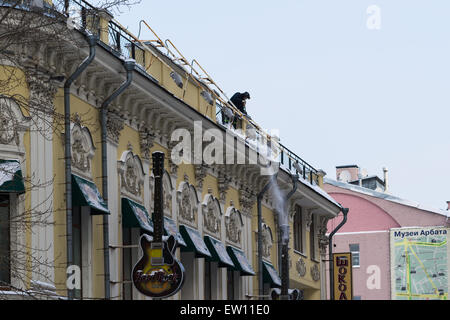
(158, 273)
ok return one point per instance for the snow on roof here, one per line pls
(385, 196)
(315, 188)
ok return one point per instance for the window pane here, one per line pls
(5, 271)
(354, 249)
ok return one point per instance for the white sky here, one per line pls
(338, 92)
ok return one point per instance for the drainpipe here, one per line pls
(330, 250)
(284, 229)
(129, 67)
(260, 263)
(92, 40)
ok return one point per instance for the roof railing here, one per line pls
(129, 46)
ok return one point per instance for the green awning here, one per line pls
(218, 252)
(171, 229)
(135, 215)
(11, 180)
(240, 261)
(85, 194)
(194, 242)
(270, 275)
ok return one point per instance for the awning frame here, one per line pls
(199, 247)
(233, 252)
(82, 196)
(16, 182)
(134, 215)
(218, 252)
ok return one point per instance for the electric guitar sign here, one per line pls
(158, 274)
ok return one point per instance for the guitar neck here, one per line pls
(158, 214)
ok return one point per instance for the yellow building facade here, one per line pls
(152, 112)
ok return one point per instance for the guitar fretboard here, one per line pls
(158, 214)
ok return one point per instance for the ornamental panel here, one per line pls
(211, 215)
(187, 202)
(233, 225)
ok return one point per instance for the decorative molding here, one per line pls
(233, 225)
(267, 241)
(223, 181)
(167, 194)
(315, 272)
(247, 198)
(173, 168)
(321, 235)
(146, 141)
(83, 149)
(42, 91)
(200, 174)
(301, 267)
(187, 202)
(114, 125)
(13, 124)
(131, 174)
(309, 217)
(212, 215)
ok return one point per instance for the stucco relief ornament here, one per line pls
(8, 124)
(187, 201)
(301, 267)
(167, 196)
(185, 204)
(114, 125)
(267, 241)
(82, 147)
(200, 174)
(211, 214)
(146, 141)
(315, 273)
(233, 224)
(131, 173)
(323, 238)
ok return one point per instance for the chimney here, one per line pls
(347, 173)
(386, 181)
(448, 205)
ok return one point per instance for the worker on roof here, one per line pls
(239, 100)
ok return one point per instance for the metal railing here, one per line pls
(86, 17)
(123, 43)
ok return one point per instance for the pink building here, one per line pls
(367, 233)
